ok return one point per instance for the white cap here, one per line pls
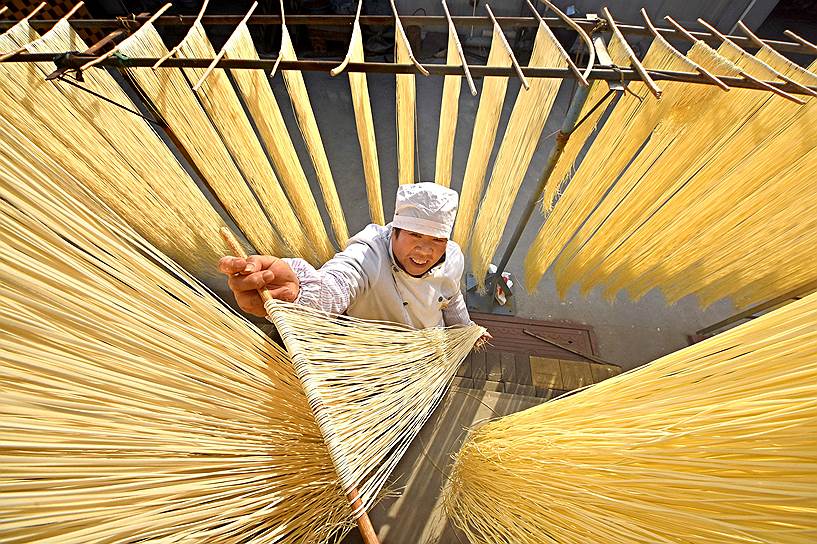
(427, 208)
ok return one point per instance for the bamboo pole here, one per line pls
(76, 60)
(645, 76)
(517, 68)
(363, 522)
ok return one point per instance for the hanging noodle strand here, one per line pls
(170, 93)
(305, 115)
(448, 116)
(135, 405)
(365, 128)
(222, 105)
(530, 112)
(114, 152)
(486, 123)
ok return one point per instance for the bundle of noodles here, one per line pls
(693, 120)
(406, 98)
(170, 93)
(671, 206)
(482, 141)
(305, 116)
(350, 366)
(365, 125)
(530, 112)
(135, 406)
(713, 443)
(138, 407)
(448, 116)
(256, 92)
(115, 153)
(629, 124)
(723, 194)
(220, 101)
(372, 385)
(773, 250)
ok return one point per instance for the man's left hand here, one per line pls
(482, 340)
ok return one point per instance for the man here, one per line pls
(406, 272)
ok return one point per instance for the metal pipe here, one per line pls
(413, 20)
(76, 60)
(312, 20)
(568, 126)
(750, 312)
(743, 15)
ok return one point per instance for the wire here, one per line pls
(106, 99)
(594, 108)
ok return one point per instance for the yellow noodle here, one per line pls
(135, 406)
(177, 420)
(403, 371)
(305, 116)
(689, 225)
(406, 107)
(746, 190)
(777, 243)
(365, 129)
(566, 162)
(716, 205)
(791, 140)
(114, 152)
(694, 121)
(448, 117)
(777, 282)
(219, 100)
(530, 112)
(714, 188)
(625, 130)
(255, 89)
(713, 443)
(482, 141)
(172, 96)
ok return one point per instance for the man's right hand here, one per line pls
(247, 276)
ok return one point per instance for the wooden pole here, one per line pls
(648, 81)
(589, 357)
(363, 523)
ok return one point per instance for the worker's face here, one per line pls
(416, 252)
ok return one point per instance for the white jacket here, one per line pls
(364, 281)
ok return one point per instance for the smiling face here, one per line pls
(416, 252)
